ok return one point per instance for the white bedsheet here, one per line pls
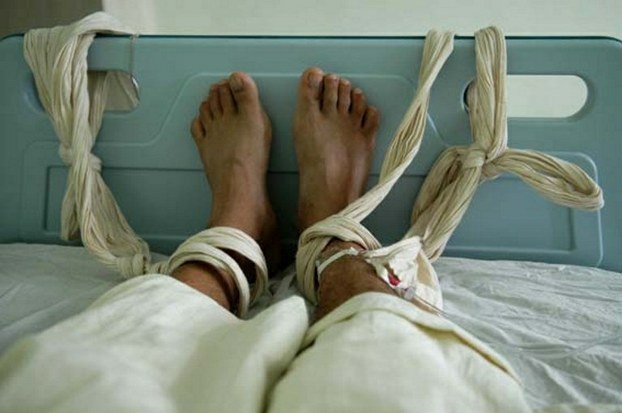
(559, 326)
(41, 285)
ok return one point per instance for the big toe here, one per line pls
(310, 86)
(244, 91)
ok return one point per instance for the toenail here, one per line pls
(331, 78)
(345, 82)
(236, 83)
(358, 91)
(314, 79)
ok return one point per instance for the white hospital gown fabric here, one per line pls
(153, 344)
(378, 353)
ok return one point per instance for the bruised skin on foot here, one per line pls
(233, 133)
(334, 134)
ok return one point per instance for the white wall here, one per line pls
(527, 97)
(351, 17)
(372, 17)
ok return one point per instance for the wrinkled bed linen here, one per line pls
(41, 285)
(559, 326)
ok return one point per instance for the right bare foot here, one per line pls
(334, 133)
(233, 134)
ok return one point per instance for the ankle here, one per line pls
(345, 278)
(211, 281)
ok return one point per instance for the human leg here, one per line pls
(369, 350)
(155, 344)
(334, 133)
(232, 133)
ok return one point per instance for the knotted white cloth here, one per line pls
(452, 181)
(58, 60)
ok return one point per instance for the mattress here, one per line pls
(560, 326)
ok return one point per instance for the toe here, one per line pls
(214, 101)
(359, 105)
(226, 98)
(197, 129)
(344, 96)
(331, 93)
(244, 91)
(205, 113)
(371, 121)
(311, 86)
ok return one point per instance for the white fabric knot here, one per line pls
(473, 157)
(68, 155)
(490, 170)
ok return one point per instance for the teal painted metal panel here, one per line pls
(154, 171)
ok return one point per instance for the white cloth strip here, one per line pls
(321, 265)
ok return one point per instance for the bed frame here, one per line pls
(152, 167)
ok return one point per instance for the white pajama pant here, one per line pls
(153, 344)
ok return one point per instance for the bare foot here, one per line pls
(334, 133)
(233, 133)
